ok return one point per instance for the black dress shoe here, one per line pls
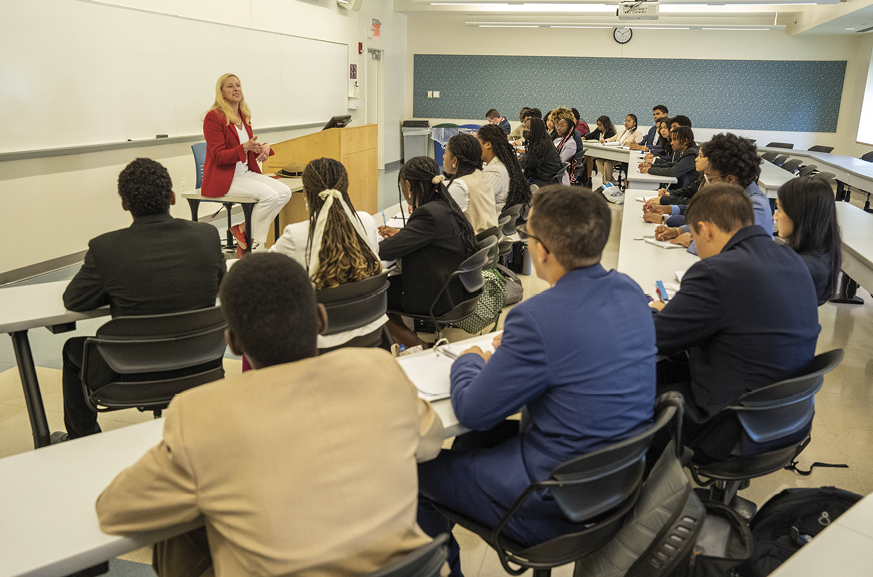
(59, 437)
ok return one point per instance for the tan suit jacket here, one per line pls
(307, 468)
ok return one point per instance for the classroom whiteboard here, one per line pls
(76, 73)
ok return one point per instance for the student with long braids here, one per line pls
(565, 141)
(336, 245)
(502, 169)
(436, 239)
(542, 161)
(470, 189)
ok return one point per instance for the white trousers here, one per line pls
(271, 195)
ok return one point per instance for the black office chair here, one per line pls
(356, 304)
(819, 148)
(770, 156)
(780, 145)
(516, 212)
(426, 561)
(597, 491)
(469, 273)
(868, 157)
(771, 427)
(792, 165)
(144, 361)
(560, 176)
(806, 170)
(780, 160)
(828, 176)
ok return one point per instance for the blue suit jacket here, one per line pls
(504, 124)
(748, 317)
(581, 357)
(649, 138)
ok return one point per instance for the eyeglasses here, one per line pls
(525, 235)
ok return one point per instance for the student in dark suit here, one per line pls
(746, 312)
(806, 218)
(580, 357)
(436, 239)
(158, 265)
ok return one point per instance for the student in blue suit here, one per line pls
(653, 137)
(493, 117)
(746, 313)
(579, 358)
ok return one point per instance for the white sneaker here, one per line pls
(617, 197)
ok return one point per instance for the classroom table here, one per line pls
(26, 307)
(844, 548)
(856, 229)
(49, 525)
(630, 157)
(644, 262)
(848, 170)
(772, 177)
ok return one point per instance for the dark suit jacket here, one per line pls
(747, 316)
(683, 168)
(542, 162)
(158, 265)
(431, 248)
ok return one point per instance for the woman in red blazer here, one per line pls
(232, 156)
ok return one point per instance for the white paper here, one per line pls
(663, 243)
(430, 371)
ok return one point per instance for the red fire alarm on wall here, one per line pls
(360, 47)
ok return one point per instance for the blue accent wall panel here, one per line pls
(798, 96)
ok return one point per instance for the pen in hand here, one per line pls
(384, 221)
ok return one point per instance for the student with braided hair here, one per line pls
(470, 189)
(336, 245)
(437, 238)
(542, 161)
(502, 169)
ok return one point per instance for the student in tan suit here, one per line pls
(304, 466)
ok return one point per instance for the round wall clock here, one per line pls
(622, 35)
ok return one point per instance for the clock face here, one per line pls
(622, 35)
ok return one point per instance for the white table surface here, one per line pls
(856, 229)
(845, 548)
(39, 305)
(848, 169)
(772, 177)
(632, 158)
(644, 262)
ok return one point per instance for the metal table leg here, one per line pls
(32, 394)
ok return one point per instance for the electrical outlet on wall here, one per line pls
(430, 93)
(436, 93)
(184, 188)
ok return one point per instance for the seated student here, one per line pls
(745, 313)
(656, 211)
(566, 143)
(493, 117)
(683, 168)
(662, 148)
(436, 239)
(306, 465)
(158, 265)
(654, 136)
(731, 159)
(345, 247)
(806, 217)
(625, 136)
(680, 120)
(470, 189)
(550, 125)
(581, 126)
(542, 161)
(502, 169)
(516, 133)
(605, 129)
(567, 356)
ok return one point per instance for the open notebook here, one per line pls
(430, 370)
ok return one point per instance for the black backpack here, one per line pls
(790, 520)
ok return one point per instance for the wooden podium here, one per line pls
(354, 146)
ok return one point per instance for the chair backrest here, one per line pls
(820, 148)
(355, 304)
(199, 150)
(806, 170)
(598, 482)
(560, 175)
(470, 271)
(426, 561)
(493, 231)
(152, 358)
(769, 156)
(783, 409)
(792, 165)
(780, 160)
(515, 212)
(868, 156)
(780, 145)
(829, 176)
(502, 221)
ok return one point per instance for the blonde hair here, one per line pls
(222, 106)
(564, 113)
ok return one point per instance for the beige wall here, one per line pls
(53, 206)
(449, 35)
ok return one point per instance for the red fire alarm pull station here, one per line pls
(360, 47)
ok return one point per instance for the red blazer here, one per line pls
(223, 151)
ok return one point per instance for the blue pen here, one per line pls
(385, 222)
(662, 292)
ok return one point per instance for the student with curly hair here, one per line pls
(806, 217)
(336, 245)
(566, 141)
(470, 189)
(437, 238)
(502, 169)
(158, 265)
